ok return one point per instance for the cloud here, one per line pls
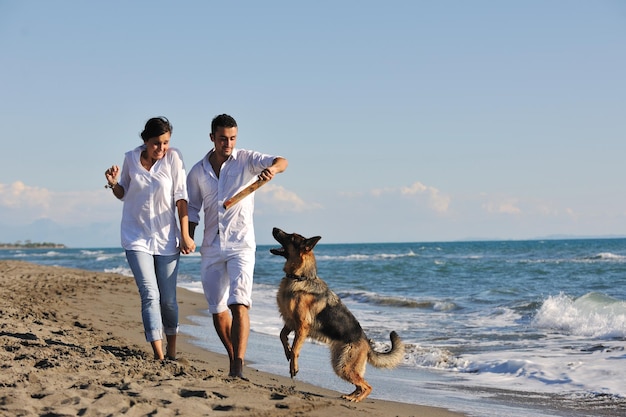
(19, 195)
(24, 204)
(548, 210)
(436, 200)
(282, 200)
(509, 206)
(528, 207)
(572, 213)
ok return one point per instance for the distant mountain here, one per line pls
(547, 237)
(570, 237)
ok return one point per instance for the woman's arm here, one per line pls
(187, 245)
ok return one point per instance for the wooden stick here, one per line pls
(244, 193)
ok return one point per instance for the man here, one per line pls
(228, 246)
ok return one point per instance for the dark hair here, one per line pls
(223, 120)
(156, 127)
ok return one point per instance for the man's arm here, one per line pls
(195, 200)
(278, 166)
(192, 228)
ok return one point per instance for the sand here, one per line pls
(72, 344)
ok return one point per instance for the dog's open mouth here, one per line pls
(279, 236)
(278, 251)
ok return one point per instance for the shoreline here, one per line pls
(74, 345)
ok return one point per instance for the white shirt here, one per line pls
(233, 227)
(149, 221)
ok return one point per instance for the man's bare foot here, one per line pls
(236, 369)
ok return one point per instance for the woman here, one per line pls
(152, 186)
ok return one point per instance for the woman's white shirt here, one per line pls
(149, 220)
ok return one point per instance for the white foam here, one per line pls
(365, 257)
(120, 270)
(593, 315)
(555, 371)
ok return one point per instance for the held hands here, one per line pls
(111, 175)
(187, 245)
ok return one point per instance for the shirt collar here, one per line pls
(232, 156)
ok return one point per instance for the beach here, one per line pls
(73, 344)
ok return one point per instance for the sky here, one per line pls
(402, 121)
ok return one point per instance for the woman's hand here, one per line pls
(187, 245)
(111, 175)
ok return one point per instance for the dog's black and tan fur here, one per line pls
(310, 309)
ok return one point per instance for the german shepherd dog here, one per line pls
(310, 309)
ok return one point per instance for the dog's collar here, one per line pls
(296, 277)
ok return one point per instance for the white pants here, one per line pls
(227, 277)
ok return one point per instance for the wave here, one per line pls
(365, 257)
(430, 357)
(193, 286)
(549, 372)
(608, 256)
(600, 257)
(91, 252)
(392, 301)
(119, 270)
(592, 315)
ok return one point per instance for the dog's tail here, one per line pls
(391, 358)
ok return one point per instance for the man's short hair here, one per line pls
(223, 120)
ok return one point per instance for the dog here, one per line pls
(310, 309)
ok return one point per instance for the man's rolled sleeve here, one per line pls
(194, 194)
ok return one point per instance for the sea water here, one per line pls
(521, 328)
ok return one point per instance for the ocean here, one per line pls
(519, 328)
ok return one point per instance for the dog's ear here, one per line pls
(310, 243)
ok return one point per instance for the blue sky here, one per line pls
(402, 120)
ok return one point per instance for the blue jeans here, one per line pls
(156, 277)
